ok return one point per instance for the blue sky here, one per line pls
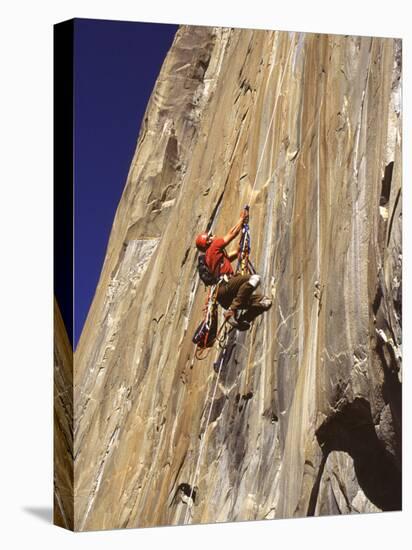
(116, 65)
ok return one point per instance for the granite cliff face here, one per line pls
(306, 415)
(63, 509)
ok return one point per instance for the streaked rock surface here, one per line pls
(63, 509)
(306, 417)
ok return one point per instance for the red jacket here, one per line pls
(216, 258)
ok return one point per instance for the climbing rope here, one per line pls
(204, 337)
(192, 485)
(244, 266)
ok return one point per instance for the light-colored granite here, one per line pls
(306, 419)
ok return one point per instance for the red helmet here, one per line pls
(201, 241)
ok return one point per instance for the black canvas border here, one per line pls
(63, 171)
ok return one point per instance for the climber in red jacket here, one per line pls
(236, 292)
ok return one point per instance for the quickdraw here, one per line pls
(244, 265)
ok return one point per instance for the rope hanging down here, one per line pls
(195, 477)
(244, 266)
(206, 333)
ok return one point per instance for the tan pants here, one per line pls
(237, 293)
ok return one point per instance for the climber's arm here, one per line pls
(232, 255)
(234, 232)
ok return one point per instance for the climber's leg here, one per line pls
(228, 290)
(244, 292)
(258, 304)
(240, 288)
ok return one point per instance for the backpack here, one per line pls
(206, 276)
(206, 332)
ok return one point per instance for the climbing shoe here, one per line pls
(266, 303)
(243, 325)
(238, 324)
(235, 320)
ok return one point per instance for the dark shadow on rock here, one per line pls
(352, 430)
(226, 362)
(315, 490)
(44, 513)
(392, 393)
(217, 408)
(188, 491)
(386, 184)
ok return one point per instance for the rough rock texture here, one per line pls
(306, 417)
(63, 509)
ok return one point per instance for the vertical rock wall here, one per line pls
(63, 509)
(306, 414)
